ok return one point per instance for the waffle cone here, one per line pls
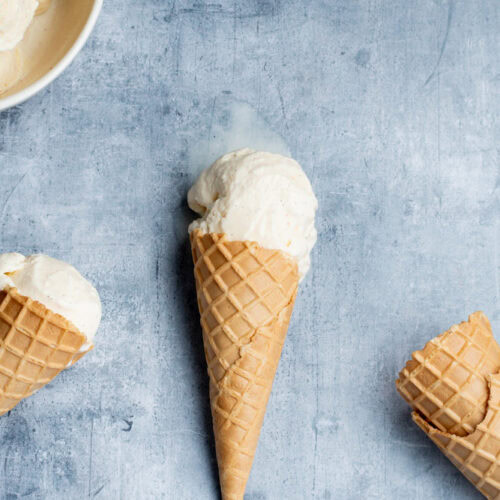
(35, 346)
(245, 296)
(446, 382)
(476, 455)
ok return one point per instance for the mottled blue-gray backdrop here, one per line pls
(391, 108)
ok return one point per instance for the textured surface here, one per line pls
(391, 107)
(35, 346)
(245, 296)
(478, 454)
(447, 381)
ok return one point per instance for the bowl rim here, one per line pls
(67, 59)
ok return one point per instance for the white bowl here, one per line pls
(73, 23)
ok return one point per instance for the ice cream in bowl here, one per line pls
(49, 315)
(38, 40)
(251, 248)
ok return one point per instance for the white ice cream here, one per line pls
(56, 285)
(15, 17)
(255, 196)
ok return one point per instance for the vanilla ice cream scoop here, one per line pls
(15, 17)
(255, 196)
(56, 285)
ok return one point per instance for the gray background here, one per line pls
(391, 108)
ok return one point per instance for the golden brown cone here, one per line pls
(446, 382)
(35, 346)
(476, 455)
(245, 296)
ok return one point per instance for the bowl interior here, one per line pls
(49, 38)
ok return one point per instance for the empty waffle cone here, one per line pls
(476, 455)
(245, 296)
(35, 346)
(446, 382)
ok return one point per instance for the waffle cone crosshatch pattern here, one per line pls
(453, 386)
(476, 455)
(269, 222)
(246, 296)
(35, 346)
(447, 381)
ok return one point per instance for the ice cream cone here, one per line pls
(35, 346)
(446, 382)
(245, 296)
(476, 455)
